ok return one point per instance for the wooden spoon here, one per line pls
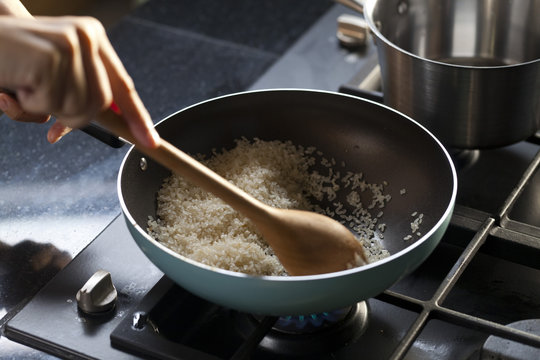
(305, 242)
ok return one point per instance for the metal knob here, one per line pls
(98, 295)
(352, 31)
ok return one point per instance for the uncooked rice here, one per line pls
(201, 227)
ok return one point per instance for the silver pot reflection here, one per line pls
(469, 70)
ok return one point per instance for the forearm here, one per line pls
(13, 7)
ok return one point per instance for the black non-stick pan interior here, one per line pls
(374, 140)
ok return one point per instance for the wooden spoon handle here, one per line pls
(184, 165)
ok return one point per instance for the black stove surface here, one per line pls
(52, 322)
(482, 281)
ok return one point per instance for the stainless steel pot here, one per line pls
(469, 70)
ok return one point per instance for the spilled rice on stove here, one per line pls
(202, 227)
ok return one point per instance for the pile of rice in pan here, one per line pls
(202, 227)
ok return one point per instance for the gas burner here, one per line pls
(310, 334)
(302, 324)
(503, 349)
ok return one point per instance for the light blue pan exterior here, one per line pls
(271, 295)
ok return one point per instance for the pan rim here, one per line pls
(444, 217)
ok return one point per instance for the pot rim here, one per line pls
(368, 9)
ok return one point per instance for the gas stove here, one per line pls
(476, 297)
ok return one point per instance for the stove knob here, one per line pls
(98, 295)
(352, 31)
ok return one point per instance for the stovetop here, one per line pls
(483, 280)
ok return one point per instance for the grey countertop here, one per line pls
(54, 199)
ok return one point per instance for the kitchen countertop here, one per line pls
(54, 199)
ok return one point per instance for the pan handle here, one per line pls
(103, 135)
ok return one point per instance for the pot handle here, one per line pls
(357, 5)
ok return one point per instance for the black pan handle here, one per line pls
(103, 135)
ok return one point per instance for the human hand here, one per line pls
(11, 107)
(66, 66)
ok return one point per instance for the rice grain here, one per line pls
(200, 226)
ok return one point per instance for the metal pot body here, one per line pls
(469, 70)
(375, 139)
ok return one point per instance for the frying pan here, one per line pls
(370, 138)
